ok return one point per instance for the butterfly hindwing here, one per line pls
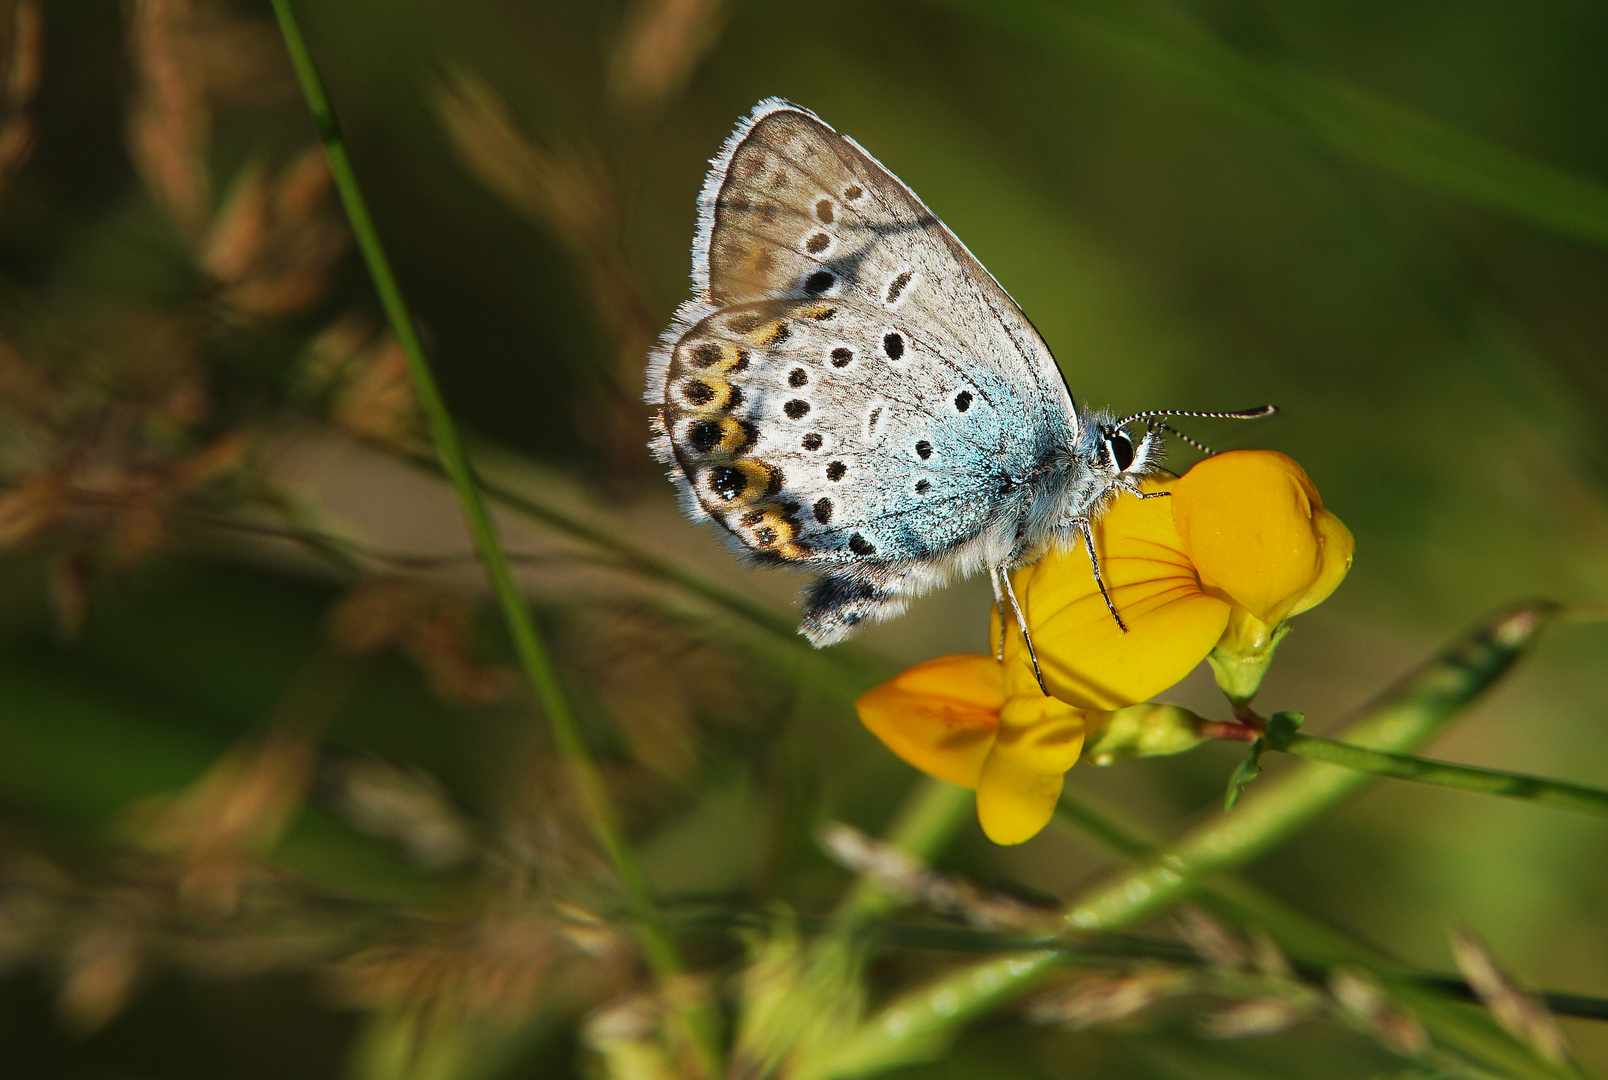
(823, 432)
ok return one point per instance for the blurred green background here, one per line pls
(1389, 219)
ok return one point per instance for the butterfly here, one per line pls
(850, 392)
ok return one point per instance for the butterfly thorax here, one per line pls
(1076, 483)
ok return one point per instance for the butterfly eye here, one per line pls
(1121, 450)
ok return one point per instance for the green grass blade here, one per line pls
(534, 659)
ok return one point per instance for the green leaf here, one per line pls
(1248, 770)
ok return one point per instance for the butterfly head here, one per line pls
(1109, 455)
(1119, 457)
(1118, 461)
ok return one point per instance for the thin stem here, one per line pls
(849, 669)
(640, 558)
(1444, 774)
(923, 824)
(706, 916)
(656, 943)
(1413, 713)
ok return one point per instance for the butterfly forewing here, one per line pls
(792, 208)
(852, 388)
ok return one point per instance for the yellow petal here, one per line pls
(1039, 740)
(1247, 521)
(1335, 548)
(939, 716)
(1087, 660)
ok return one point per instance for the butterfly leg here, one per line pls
(1137, 493)
(1002, 577)
(994, 575)
(1083, 526)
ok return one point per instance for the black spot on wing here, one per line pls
(727, 482)
(704, 436)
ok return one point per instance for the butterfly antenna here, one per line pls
(1202, 447)
(1237, 414)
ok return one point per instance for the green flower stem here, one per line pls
(657, 946)
(1311, 941)
(916, 1024)
(1444, 774)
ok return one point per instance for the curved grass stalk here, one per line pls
(916, 1024)
(658, 947)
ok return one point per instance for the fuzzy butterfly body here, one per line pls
(852, 393)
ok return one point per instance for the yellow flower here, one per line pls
(1242, 543)
(1259, 537)
(981, 724)
(1258, 534)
